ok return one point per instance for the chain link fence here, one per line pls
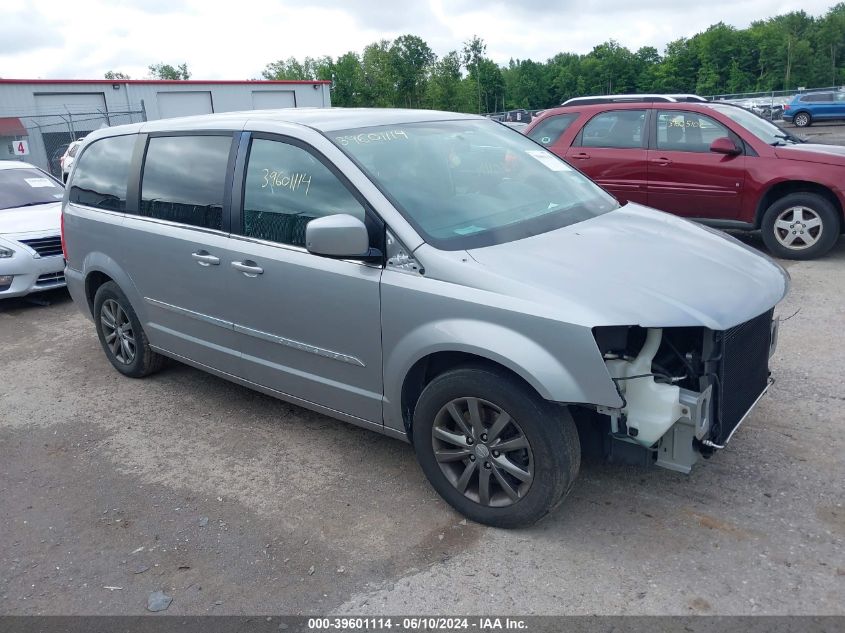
(770, 104)
(49, 134)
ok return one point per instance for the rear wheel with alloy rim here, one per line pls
(494, 449)
(121, 335)
(802, 119)
(800, 226)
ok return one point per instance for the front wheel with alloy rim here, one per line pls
(121, 335)
(800, 226)
(492, 448)
(802, 119)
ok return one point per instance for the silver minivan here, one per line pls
(435, 277)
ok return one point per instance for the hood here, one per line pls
(813, 153)
(36, 219)
(635, 266)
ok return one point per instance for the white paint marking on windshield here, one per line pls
(36, 183)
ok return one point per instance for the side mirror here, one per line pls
(724, 145)
(340, 235)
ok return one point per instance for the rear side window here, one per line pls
(287, 187)
(102, 172)
(819, 97)
(622, 129)
(184, 179)
(549, 130)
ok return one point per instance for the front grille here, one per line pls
(742, 370)
(45, 246)
(50, 279)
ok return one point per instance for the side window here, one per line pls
(680, 131)
(548, 131)
(102, 173)
(622, 129)
(286, 187)
(840, 97)
(184, 178)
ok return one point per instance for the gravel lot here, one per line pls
(232, 502)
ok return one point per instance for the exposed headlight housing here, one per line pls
(5, 253)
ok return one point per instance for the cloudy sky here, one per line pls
(81, 39)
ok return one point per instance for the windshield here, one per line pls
(471, 183)
(27, 187)
(765, 130)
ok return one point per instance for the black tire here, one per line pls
(553, 453)
(825, 235)
(144, 361)
(802, 119)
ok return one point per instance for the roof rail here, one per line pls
(634, 98)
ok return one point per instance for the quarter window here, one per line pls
(680, 131)
(622, 129)
(184, 179)
(548, 131)
(287, 187)
(102, 172)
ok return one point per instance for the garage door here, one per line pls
(62, 118)
(76, 113)
(272, 99)
(172, 104)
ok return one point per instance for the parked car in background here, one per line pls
(640, 98)
(30, 246)
(56, 160)
(809, 107)
(715, 163)
(428, 275)
(66, 160)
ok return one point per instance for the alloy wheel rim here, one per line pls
(801, 120)
(798, 228)
(117, 331)
(483, 452)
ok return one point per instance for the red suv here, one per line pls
(710, 162)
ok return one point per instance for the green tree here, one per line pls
(444, 85)
(111, 74)
(166, 71)
(411, 59)
(347, 77)
(289, 68)
(378, 82)
(471, 56)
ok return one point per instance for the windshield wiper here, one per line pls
(787, 137)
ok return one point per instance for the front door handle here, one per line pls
(248, 268)
(203, 258)
(581, 155)
(663, 162)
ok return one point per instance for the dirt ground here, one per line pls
(234, 503)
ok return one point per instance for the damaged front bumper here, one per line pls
(680, 415)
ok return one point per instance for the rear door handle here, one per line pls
(248, 268)
(581, 155)
(663, 162)
(204, 258)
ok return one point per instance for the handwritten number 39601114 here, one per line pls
(294, 181)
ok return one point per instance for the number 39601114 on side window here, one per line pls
(436, 277)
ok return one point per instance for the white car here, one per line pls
(30, 217)
(66, 161)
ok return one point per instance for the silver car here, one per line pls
(30, 247)
(432, 276)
